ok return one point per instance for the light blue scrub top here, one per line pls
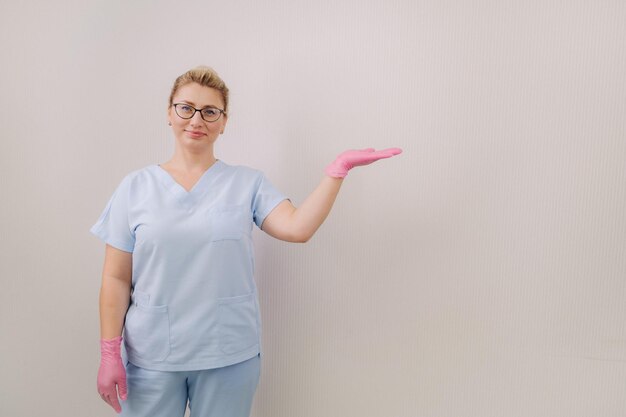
(194, 303)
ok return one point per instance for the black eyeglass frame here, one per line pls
(198, 110)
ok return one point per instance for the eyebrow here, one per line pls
(191, 103)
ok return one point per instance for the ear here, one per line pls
(169, 115)
(224, 123)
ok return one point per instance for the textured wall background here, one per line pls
(480, 273)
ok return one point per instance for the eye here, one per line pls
(185, 108)
(209, 112)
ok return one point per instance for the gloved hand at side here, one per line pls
(347, 160)
(112, 374)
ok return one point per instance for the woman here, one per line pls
(179, 235)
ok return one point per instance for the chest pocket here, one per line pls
(229, 222)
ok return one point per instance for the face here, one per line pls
(196, 130)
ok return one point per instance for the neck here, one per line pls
(189, 161)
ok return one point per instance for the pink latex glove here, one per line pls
(112, 373)
(347, 160)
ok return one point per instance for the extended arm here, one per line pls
(292, 224)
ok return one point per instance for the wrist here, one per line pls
(111, 346)
(336, 170)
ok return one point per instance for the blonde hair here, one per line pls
(205, 76)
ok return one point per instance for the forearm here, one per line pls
(114, 301)
(310, 215)
(299, 224)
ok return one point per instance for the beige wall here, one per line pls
(480, 273)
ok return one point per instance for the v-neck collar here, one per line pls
(187, 198)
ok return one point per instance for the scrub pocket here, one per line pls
(229, 222)
(237, 323)
(147, 331)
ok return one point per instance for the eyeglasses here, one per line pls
(208, 114)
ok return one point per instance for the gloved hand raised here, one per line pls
(347, 160)
(112, 373)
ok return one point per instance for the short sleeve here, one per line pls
(266, 198)
(113, 226)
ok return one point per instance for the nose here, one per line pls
(196, 119)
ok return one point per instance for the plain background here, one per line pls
(480, 273)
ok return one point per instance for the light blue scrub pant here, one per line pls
(219, 392)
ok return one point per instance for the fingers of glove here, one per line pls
(115, 403)
(372, 155)
(122, 387)
(108, 388)
(365, 158)
(391, 151)
(357, 157)
(112, 401)
(387, 153)
(354, 153)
